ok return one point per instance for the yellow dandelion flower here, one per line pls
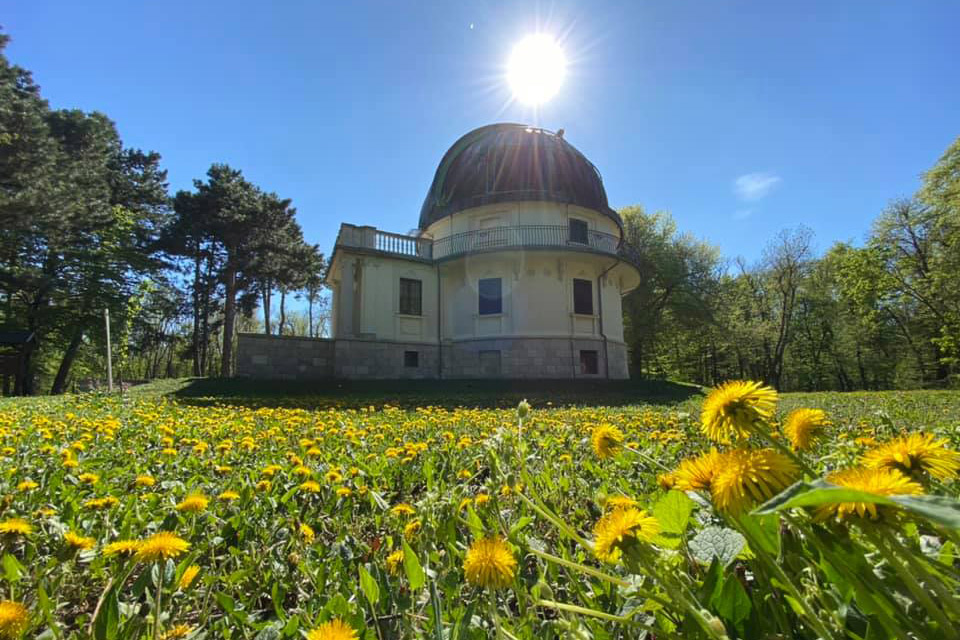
(734, 408)
(489, 563)
(607, 441)
(161, 546)
(16, 526)
(177, 632)
(667, 480)
(101, 503)
(229, 495)
(144, 481)
(880, 481)
(803, 425)
(698, 474)
(264, 485)
(481, 499)
(395, 562)
(13, 619)
(307, 532)
(122, 548)
(194, 503)
(403, 509)
(618, 502)
(465, 474)
(189, 575)
(310, 486)
(333, 476)
(619, 528)
(913, 453)
(301, 471)
(335, 629)
(27, 485)
(412, 529)
(88, 478)
(749, 476)
(76, 541)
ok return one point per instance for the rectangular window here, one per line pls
(411, 359)
(491, 300)
(589, 363)
(411, 297)
(582, 296)
(578, 231)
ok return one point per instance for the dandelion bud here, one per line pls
(523, 409)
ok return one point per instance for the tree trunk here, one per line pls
(69, 355)
(229, 319)
(197, 370)
(310, 314)
(283, 311)
(267, 293)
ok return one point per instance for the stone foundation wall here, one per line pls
(282, 357)
(380, 359)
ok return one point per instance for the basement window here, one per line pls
(589, 362)
(411, 359)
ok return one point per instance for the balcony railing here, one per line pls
(482, 240)
(525, 236)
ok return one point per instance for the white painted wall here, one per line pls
(519, 213)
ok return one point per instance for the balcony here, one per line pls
(480, 241)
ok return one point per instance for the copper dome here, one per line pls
(513, 163)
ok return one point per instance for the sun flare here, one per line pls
(536, 69)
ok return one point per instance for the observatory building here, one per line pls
(516, 270)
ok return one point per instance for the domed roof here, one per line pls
(511, 163)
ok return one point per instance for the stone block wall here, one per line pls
(284, 357)
(382, 359)
(290, 358)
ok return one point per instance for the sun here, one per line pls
(536, 69)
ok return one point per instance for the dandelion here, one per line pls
(194, 503)
(751, 475)
(264, 485)
(333, 476)
(403, 509)
(76, 541)
(607, 440)
(310, 486)
(229, 496)
(161, 546)
(878, 481)
(619, 502)
(489, 563)
(395, 562)
(27, 485)
(13, 619)
(913, 453)
(335, 629)
(122, 548)
(101, 503)
(144, 481)
(667, 480)
(732, 409)
(17, 526)
(88, 478)
(412, 529)
(177, 632)
(619, 528)
(307, 532)
(344, 492)
(189, 575)
(803, 425)
(698, 474)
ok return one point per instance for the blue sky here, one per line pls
(740, 118)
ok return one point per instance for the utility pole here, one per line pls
(106, 321)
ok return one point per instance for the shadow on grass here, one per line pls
(320, 394)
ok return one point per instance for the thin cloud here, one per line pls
(755, 186)
(742, 214)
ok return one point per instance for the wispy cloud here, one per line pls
(755, 186)
(742, 214)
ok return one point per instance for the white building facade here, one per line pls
(517, 270)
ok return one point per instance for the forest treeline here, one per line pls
(883, 315)
(89, 224)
